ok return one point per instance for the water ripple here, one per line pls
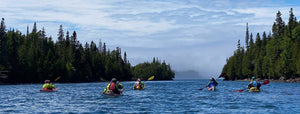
(158, 97)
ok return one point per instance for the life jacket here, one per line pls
(137, 84)
(49, 86)
(45, 86)
(212, 84)
(112, 86)
(254, 83)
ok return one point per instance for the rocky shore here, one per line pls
(281, 79)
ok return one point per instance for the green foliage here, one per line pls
(34, 57)
(272, 57)
(161, 71)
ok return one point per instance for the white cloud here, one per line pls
(205, 31)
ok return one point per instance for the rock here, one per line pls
(281, 78)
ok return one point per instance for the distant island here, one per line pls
(275, 56)
(33, 57)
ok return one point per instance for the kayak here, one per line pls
(48, 90)
(254, 89)
(211, 89)
(110, 93)
(139, 88)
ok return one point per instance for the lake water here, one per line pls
(179, 96)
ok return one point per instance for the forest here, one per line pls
(156, 68)
(33, 57)
(272, 56)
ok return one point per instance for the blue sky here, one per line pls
(188, 34)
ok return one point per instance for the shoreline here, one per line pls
(296, 80)
(4, 83)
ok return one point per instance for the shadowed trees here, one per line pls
(269, 57)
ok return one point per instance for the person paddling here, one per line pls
(48, 85)
(113, 87)
(138, 84)
(211, 86)
(254, 85)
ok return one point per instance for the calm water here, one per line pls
(159, 97)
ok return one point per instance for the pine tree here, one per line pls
(278, 26)
(291, 24)
(43, 34)
(247, 37)
(27, 30)
(60, 34)
(125, 57)
(104, 48)
(74, 39)
(34, 30)
(3, 40)
(68, 41)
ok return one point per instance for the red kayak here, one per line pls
(48, 90)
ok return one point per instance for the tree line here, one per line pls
(160, 70)
(270, 56)
(34, 57)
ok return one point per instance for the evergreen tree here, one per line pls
(74, 39)
(60, 33)
(27, 30)
(272, 56)
(125, 57)
(278, 26)
(247, 37)
(68, 41)
(34, 57)
(34, 30)
(291, 24)
(3, 52)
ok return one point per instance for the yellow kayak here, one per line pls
(139, 88)
(254, 89)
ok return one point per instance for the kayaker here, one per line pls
(48, 85)
(113, 87)
(212, 84)
(254, 84)
(138, 84)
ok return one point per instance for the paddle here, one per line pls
(265, 83)
(151, 78)
(202, 88)
(57, 78)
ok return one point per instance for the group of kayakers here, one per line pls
(253, 86)
(115, 87)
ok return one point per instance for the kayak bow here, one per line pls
(48, 90)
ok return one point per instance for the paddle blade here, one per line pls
(151, 78)
(57, 78)
(266, 82)
(239, 90)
